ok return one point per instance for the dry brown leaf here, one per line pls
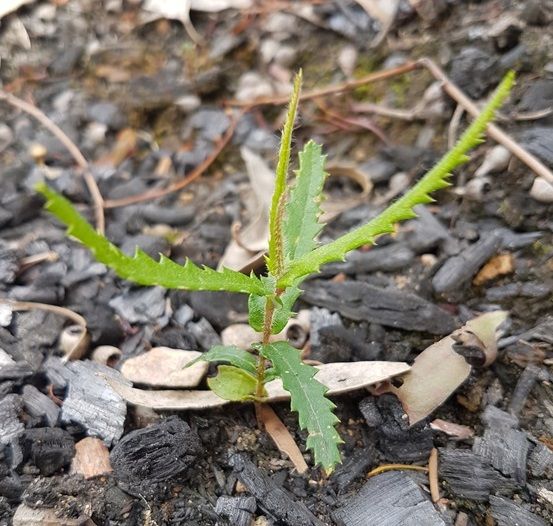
(439, 370)
(249, 244)
(164, 367)
(281, 436)
(499, 265)
(338, 377)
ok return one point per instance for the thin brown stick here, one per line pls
(331, 90)
(179, 185)
(493, 131)
(79, 158)
(433, 475)
(392, 467)
(454, 126)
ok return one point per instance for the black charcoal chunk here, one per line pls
(271, 497)
(338, 344)
(387, 259)
(539, 141)
(395, 439)
(319, 318)
(471, 477)
(531, 289)
(204, 333)
(361, 301)
(235, 511)
(524, 386)
(474, 71)
(156, 453)
(508, 513)
(91, 402)
(176, 216)
(49, 449)
(390, 499)
(427, 232)
(540, 461)
(11, 427)
(145, 305)
(457, 271)
(506, 450)
(493, 417)
(39, 405)
(352, 468)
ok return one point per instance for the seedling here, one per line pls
(293, 255)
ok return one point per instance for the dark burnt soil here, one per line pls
(145, 106)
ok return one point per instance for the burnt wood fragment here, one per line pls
(11, 427)
(471, 477)
(389, 499)
(353, 468)
(540, 461)
(395, 439)
(457, 271)
(524, 386)
(37, 404)
(235, 511)
(271, 497)
(358, 301)
(49, 449)
(508, 513)
(156, 453)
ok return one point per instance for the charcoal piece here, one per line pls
(540, 461)
(336, 344)
(91, 402)
(204, 333)
(175, 338)
(387, 259)
(395, 439)
(11, 489)
(156, 453)
(8, 265)
(539, 141)
(537, 96)
(389, 499)
(211, 123)
(361, 301)
(145, 305)
(474, 71)
(39, 405)
(352, 468)
(506, 450)
(37, 293)
(11, 427)
(516, 240)
(152, 245)
(469, 476)
(175, 216)
(378, 169)
(107, 113)
(235, 511)
(457, 271)
(272, 498)
(56, 372)
(15, 371)
(495, 418)
(408, 157)
(508, 513)
(49, 449)
(531, 289)
(319, 318)
(219, 308)
(524, 386)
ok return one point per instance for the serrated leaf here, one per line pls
(282, 311)
(308, 400)
(231, 354)
(275, 259)
(232, 383)
(402, 209)
(141, 268)
(301, 220)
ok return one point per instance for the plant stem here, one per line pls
(267, 325)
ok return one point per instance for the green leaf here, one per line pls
(282, 313)
(142, 268)
(231, 354)
(232, 383)
(275, 259)
(301, 221)
(308, 399)
(402, 209)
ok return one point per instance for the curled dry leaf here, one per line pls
(338, 377)
(249, 244)
(9, 6)
(440, 369)
(164, 367)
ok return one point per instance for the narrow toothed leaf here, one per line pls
(301, 220)
(141, 268)
(435, 179)
(307, 397)
(229, 354)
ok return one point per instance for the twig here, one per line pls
(179, 185)
(330, 90)
(454, 126)
(433, 475)
(79, 158)
(493, 131)
(385, 111)
(391, 467)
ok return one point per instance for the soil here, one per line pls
(146, 105)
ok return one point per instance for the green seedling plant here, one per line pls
(294, 254)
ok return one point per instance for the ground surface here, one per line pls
(144, 104)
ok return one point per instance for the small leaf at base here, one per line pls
(232, 384)
(231, 354)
